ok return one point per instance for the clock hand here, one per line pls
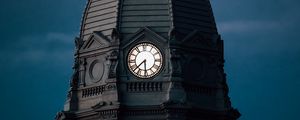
(139, 65)
(145, 67)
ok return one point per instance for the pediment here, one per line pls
(96, 40)
(144, 33)
(197, 39)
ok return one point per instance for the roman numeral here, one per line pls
(131, 61)
(137, 49)
(155, 66)
(139, 72)
(156, 53)
(150, 49)
(146, 73)
(136, 70)
(133, 67)
(157, 60)
(144, 47)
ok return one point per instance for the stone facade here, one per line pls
(191, 85)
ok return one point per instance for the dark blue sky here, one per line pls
(262, 53)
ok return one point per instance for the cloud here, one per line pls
(242, 26)
(234, 16)
(36, 49)
(48, 40)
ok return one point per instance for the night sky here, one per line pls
(262, 53)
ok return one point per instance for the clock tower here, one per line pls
(148, 60)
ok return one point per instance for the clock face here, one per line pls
(144, 60)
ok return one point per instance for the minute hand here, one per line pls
(145, 65)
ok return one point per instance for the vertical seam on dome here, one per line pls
(172, 26)
(119, 14)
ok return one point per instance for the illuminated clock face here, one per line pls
(144, 60)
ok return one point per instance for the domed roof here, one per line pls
(128, 16)
(99, 15)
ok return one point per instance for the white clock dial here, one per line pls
(144, 60)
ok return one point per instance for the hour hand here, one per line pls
(144, 61)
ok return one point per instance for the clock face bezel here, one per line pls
(132, 70)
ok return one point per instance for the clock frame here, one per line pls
(144, 60)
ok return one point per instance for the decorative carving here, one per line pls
(141, 34)
(200, 90)
(63, 115)
(106, 110)
(108, 114)
(144, 87)
(115, 36)
(175, 36)
(111, 87)
(98, 90)
(78, 43)
(113, 59)
(96, 70)
(198, 40)
(99, 105)
(75, 76)
(82, 69)
(175, 62)
(96, 40)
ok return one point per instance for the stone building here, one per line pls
(148, 60)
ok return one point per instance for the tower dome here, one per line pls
(162, 16)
